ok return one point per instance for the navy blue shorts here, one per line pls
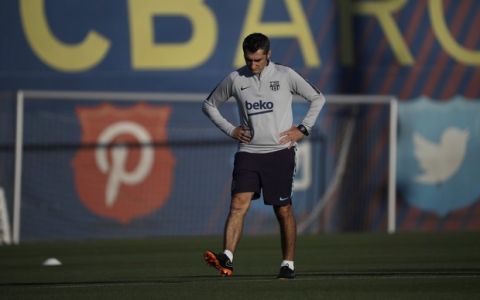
(270, 174)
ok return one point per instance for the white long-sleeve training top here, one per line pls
(264, 104)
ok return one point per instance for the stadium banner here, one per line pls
(406, 48)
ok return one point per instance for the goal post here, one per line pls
(5, 237)
(354, 115)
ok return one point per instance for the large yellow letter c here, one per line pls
(53, 52)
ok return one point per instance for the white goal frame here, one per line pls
(23, 95)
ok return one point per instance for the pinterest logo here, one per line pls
(116, 170)
(124, 176)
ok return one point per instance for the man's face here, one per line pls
(256, 61)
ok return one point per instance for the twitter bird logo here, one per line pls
(438, 165)
(440, 161)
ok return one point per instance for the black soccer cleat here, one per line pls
(220, 262)
(286, 273)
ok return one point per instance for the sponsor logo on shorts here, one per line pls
(283, 198)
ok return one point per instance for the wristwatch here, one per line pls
(303, 130)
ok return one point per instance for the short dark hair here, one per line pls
(255, 41)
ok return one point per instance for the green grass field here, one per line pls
(344, 266)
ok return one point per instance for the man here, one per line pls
(265, 161)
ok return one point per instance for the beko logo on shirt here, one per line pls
(259, 107)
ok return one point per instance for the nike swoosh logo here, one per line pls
(244, 87)
(283, 199)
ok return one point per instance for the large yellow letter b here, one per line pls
(146, 54)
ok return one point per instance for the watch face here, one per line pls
(303, 129)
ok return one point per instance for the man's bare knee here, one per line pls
(284, 212)
(240, 203)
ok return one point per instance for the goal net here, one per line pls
(115, 165)
(359, 167)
